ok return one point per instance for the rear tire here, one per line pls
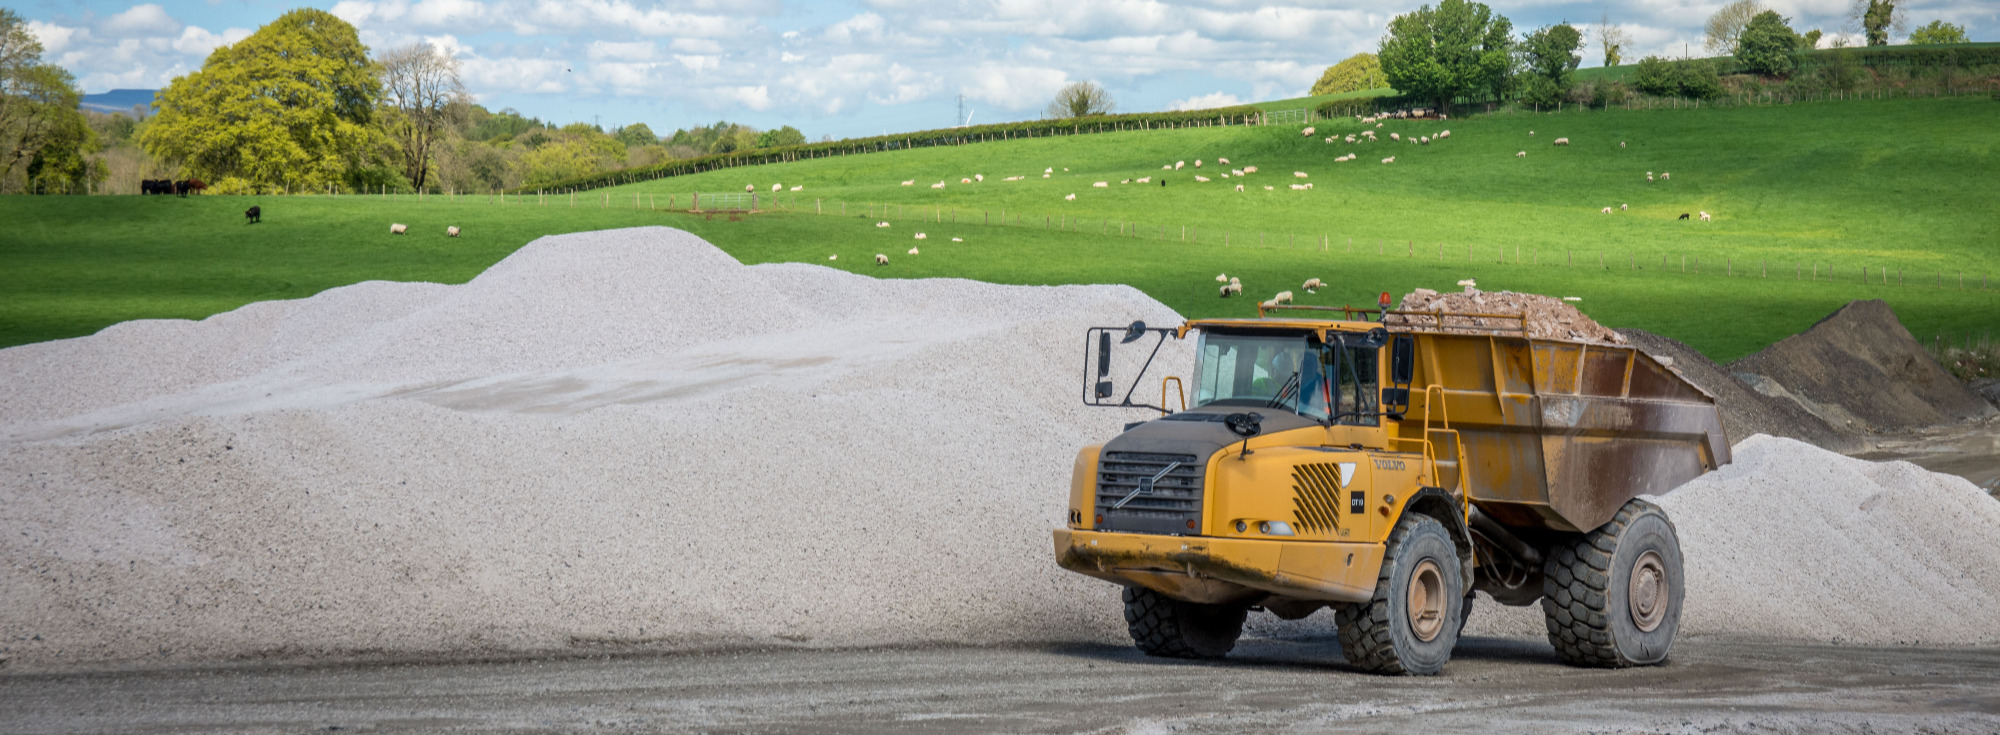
(1413, 621)
(1163, 626)
(1612, 597)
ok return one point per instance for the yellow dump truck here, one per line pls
(1388, 464)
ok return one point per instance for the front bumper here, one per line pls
(1215, 570)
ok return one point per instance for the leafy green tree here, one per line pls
(1810, 39)
(1768, 45)
(292, 106)
(1655, 76)
(1697, 79)
(1080, 99)
(1353, 74)
(635, 135)
(1938, 31)
(575, 154)
(1722, 29)
(786, 135)
(1458, 48)
(1877, 18)
(44, 139)
(507, 123)
(1551, 53)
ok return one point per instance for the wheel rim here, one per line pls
(1646, 595)
(1426, 601)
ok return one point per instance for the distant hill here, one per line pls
(118, 100)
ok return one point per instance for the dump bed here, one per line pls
(1559, 434)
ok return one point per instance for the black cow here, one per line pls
(1684, 215)
(181, 188)
(253, 214)
(149, 186)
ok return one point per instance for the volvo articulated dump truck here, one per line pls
(1389, 470)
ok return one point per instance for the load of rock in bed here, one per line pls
(1543, 317)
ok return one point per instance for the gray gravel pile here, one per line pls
(627, 440)
(610, 439)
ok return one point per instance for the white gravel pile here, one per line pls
(1794, 541)
(627, 439)
(621, 438)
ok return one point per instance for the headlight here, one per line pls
(1274, 528)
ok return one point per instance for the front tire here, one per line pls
(1412, 623)
(1612, 597)
(1170, 628)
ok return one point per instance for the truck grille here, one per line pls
(1316, 498)
(1173, 506)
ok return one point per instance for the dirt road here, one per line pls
(1492, 685)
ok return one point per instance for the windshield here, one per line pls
(1291, 372)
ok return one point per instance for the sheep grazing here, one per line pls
(1127, 181)
(451, 231)
(922, 236)
(1202, 179)
(881, 259)
(1607, 210)
(1469, 283)
(1223, 161)
(938, 185)
(798, 188)
(1378, 125)
(1283, 297)
(1168, 167)
(749, 188)
(1014, 178)
(1237, 171)
(254, 214)
(913, 251)
(1522, 154)
(958, 239)
(833, 257)
(1664, 176)
(1267, 188)
(1621, 144)
(1101, 185)
(1311, 284)
(1443, 134)
(1426, 140)
(979, 177)
(1624, 207)
(1051, 170)
(964, 180)
(1239, 188)
(881, 224)
(1391, 159)
(1221, 278)
(1307, 132)
(1235, 280)
(1649, 177)
(777, 187)
(1531, 133)
(1179, 164)
(1249, 169)
(395, 229)
(1298, 187)
(1298, 174)
(911, 182)
(1704, 216)
(1395, 136)
(1069, 198)
(1045, 176)
(1145, 179)
(1231, 289)
(1562, 141)
(1349, 139)
(1684, 215)
(1197, 163)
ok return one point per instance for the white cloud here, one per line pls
(514, 74)
(698, 63)
(56, 39)
(755, 98)
(633, 51)
(863, 28)
(198, 41)
(140, 20)
(1014, 87)
(1205, 101)
(696, 46)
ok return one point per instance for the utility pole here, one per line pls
(960, 121)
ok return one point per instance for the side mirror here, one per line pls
(1103, 365)
(1403, 360)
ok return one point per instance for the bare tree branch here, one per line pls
(422, 91)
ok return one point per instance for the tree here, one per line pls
(1877, 18)
(1938, 31)
(786, 135)
(422, 100)
(292, 106)
(1720, 34)
(1551, 53)
(44, 139)
(1080, 99)
(1443, 53)
(635, 135)
(1768, 45)
(1810, 39)
(1353, 74)
(1612, 40)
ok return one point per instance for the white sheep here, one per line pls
(1562, 141)
(1179, 164)
(1223, 161)
(964, 180)
(1298, 187)
(1395, 136)
(1649, 176)
(1350, 139)
(1298, 174)
(881, 259)
(1531, 133)
(938, 185)
(1168, 167)
(958, 239)
(1249, 169)
(1069, 198)
(1391, 159)
(1239, 188)
(749, 188)
(911, 182)
(1443, 134)
(1221, 278)
(1621, 144)
(1426, 140)
(1237, 171)
(1145, 179)
(979, 177)
(1572, 298)
(1704, 216)
(1225, 176)
(1283, 297)
(913, 251)
(922, 236)
(1267, 188)
(1307, 132)
(1664, 176)
(1051, 170)
(1197, 163)
(1045, 176)
(1224, 291)
(1624, 207)
(1101, 185)
(1235, 280)
(777, 187)
(1522, 154)
(1469, 283)
(798, 188)
(451, 231)
(833, 257)
(396, 229)
(1311, 284)
(881, 224)
(1014, 178)
(1202, 179)
(1607, 210)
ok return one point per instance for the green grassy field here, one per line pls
(1901, 184)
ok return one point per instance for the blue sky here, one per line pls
(858, 67)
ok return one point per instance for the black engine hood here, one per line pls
(1200, 431)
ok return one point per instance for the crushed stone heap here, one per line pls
(1548, 316)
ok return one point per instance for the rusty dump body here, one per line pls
(1513, 443)
(1558, 435)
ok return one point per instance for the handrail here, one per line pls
(1439, 315)
(1179, 387)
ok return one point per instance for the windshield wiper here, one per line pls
(1291, 385)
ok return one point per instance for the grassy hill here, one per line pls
(1792, 189)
